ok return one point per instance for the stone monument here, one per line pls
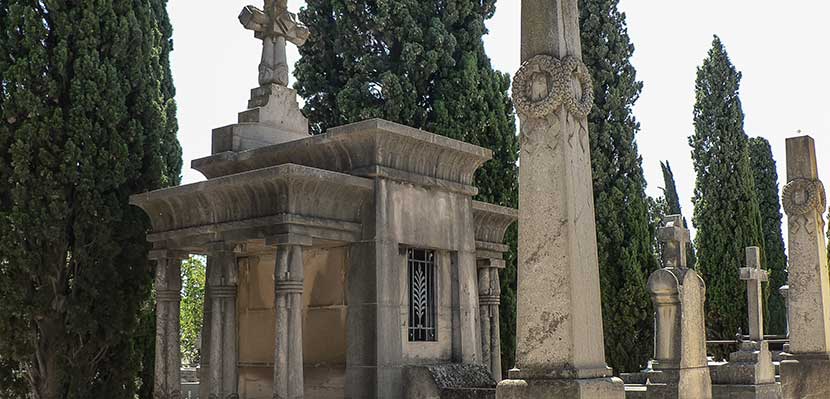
(807, 372)
(749, 373)
(273, 115)
(680, 366)
(560, 351)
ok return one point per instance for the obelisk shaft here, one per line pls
(559, 326)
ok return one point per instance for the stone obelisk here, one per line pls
(806, 373)
(559, 350)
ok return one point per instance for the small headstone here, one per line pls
(678, 293)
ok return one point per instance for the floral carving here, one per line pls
(544, 83)
(802, 196)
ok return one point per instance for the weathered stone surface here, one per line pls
(560, 351)
(275, 25)
(273, 117)
(678, 294)
(805, 375)
(766, 391)
(448, 381)
(751, 365)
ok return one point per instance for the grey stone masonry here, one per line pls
(678, 294)
(274, 25)
(806, 373)
(560, 350)
(491, 223)
(222, 277)
(288, 286)
(750, 372)
(168, 302)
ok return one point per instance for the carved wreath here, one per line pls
(803, 195)
(553, 77)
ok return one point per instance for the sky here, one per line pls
(778, 46)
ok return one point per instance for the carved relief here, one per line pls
(545, 83)
(802, 196)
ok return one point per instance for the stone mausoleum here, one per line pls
(352, 264)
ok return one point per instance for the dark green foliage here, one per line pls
(422, 64)
(192, 308)
(765, 175)
(86, 119)
(623, 230)
(673, 206)
(726, 209)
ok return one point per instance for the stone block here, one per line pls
(805, 377)
(593, 388)
(448, 381)
(764, 391)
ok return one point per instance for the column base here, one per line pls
(691, 383)
(592, 388)
(806, 376)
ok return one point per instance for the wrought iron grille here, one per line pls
(421, 295)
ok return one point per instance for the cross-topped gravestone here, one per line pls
(274, 26)
(754, 276)
(674, 236)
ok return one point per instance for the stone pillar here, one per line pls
(806, 373)
(785, 293)
(678, 293)
(489, 298)
(560, 350)
(288, 287)
(221, 340)
(168, 299)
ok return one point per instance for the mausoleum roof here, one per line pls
(370, 148)
(259, 204)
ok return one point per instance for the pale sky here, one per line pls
(779, 46)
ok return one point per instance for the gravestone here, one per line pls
(560, 349)
(807, 372)
(680, 366)
(749, 373)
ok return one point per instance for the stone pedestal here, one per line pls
(749, 374)
(805, 376)
(273, 117)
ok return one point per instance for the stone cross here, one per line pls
(674, 237)
(754, 276)
(274, 26)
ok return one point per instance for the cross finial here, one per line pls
(754, 276)
(274, 26)
(674, 237)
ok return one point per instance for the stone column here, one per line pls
(560, 350)
(808, 308)
(288, 287)
(222, 340)
(785, 293)
(489, 298)
(168, 299)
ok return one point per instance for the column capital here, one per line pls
(165, 254)
(289, 239)
(490, 263)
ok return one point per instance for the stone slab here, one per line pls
(593, 388)
(448, 381)
(765, 391)
(804, 377)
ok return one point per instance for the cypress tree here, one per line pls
(765, 176)
(624, 236)
(726, 209)
(673, 206)
(422, 64)
(86, 119)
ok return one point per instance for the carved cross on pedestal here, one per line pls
(754, 276)
(674, 237)
(274, 26)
